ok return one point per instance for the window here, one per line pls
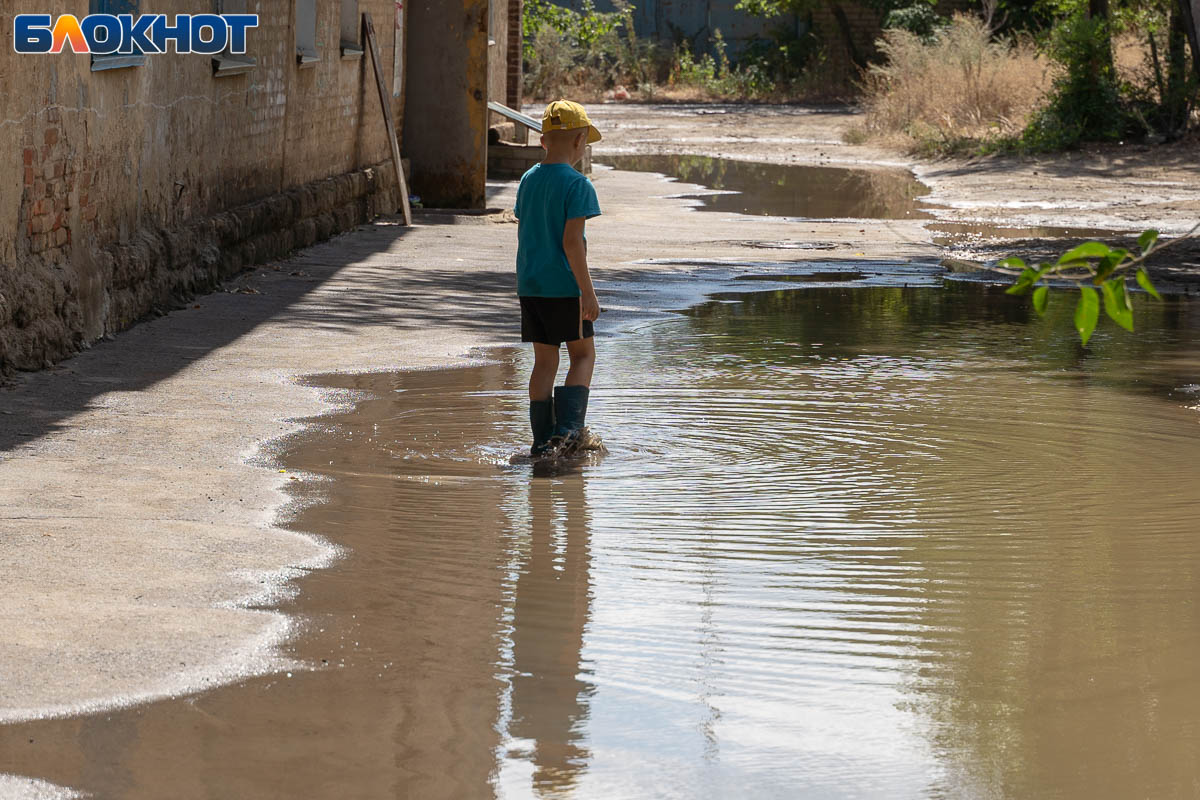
(351, 30)
(306, 33)
(229, 63)
(116, 60)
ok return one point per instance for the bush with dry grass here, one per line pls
(958, 91)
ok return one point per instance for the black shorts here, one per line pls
(553, 320)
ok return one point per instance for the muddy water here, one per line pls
(748, 187)
(850, 542)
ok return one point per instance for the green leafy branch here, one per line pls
(1099, 265)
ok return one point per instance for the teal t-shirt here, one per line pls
(549, 195)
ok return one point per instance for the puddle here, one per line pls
(787, 190)
(958, 233)
(808, 277)
(849, 271)
(848, 543)
(785, 244)
(993, 241)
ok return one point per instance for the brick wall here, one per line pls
(498, 52)
(91, 160)
(516, 74)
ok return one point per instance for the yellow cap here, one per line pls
(563, 115)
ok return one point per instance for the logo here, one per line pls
(108, 34)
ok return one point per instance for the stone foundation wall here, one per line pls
(42, 313)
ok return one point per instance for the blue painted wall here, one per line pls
(694, 21)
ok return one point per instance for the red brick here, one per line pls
(51, 136)
(89, 213)
(29, 176)
(58, 169)
(39, 189)
(85, 180)
(30, 153)
(41, 207)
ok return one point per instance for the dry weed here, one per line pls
(962, 87)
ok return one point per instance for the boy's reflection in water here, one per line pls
(551, 608)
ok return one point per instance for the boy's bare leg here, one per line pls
(583, 361)
(545, 370)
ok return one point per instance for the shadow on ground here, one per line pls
(36, 404)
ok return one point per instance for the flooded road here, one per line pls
(849, 542)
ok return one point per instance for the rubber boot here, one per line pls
(541, 419)
(570, 409)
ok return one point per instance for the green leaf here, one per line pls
(1085, 250)
(1039, 299)
(1116, 303)
(1087, 312)
(1144, 281)
(1026, 279)
(1108, 265)
(1147, 239)
(1012, 262)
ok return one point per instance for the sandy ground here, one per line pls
(138, 516)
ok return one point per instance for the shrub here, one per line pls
(1085, 102)
(961, 89)
(920, 20)
(570, 49)
(716, 76)
(586, 52)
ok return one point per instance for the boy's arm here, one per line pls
(576, 250)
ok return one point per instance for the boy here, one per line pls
(558, 302)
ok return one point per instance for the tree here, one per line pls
(1189, 12)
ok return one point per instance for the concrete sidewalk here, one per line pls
(138, 506)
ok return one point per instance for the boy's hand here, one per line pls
(589, 306)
